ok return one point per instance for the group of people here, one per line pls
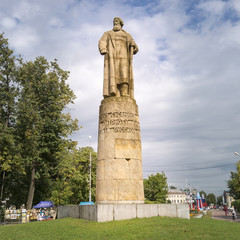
(45, 214)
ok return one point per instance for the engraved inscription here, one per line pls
(118, 122)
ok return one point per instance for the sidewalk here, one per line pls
(220, 215)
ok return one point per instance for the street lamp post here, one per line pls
(90, 170)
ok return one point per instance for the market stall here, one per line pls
(45, 211)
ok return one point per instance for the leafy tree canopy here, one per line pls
(234, 182)
(219, 200)
(72, 182)
(10, 160)
(211, 199)
(156, 188)
(34, 125)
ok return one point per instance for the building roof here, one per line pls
(175, 191)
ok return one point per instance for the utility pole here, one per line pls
(90, 170)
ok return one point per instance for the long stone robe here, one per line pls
(117, 61)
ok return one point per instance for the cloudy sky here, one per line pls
(186, 75)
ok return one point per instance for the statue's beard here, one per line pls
(117, 27)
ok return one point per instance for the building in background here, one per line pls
(227, 199)
(177, 196)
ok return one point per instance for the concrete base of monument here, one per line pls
(111, 212)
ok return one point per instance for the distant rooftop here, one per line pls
(176, 191)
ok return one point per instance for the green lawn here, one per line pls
(147, 228)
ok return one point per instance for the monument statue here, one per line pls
(118, 47)
(119, 165)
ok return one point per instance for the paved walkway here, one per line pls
(220, 215)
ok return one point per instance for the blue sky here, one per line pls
(186, 75)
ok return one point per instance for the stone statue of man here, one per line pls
(118, 47)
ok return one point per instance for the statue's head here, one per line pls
(117, 23)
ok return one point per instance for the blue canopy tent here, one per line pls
(44, 204)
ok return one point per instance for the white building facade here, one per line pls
(177, 196)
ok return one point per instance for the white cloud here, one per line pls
(216, 7)
(8, 23)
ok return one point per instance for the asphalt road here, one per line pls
(220, 215)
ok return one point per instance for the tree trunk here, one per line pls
(3, 178)
(8, 110)
(5, 128)
(31, 188)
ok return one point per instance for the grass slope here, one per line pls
(147, 228)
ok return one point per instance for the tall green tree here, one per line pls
(234, 182)
(219, 200)
(156, 188)
(9, 153)
(72, 182)
(42, 123)
(211, 199)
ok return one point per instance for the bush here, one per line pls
(194, 211)
(236, 205)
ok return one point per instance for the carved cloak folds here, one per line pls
(117, 62)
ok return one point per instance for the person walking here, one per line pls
(226, 210)
(234, 215)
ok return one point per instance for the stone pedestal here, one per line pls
(119, 167)
(111, 212)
